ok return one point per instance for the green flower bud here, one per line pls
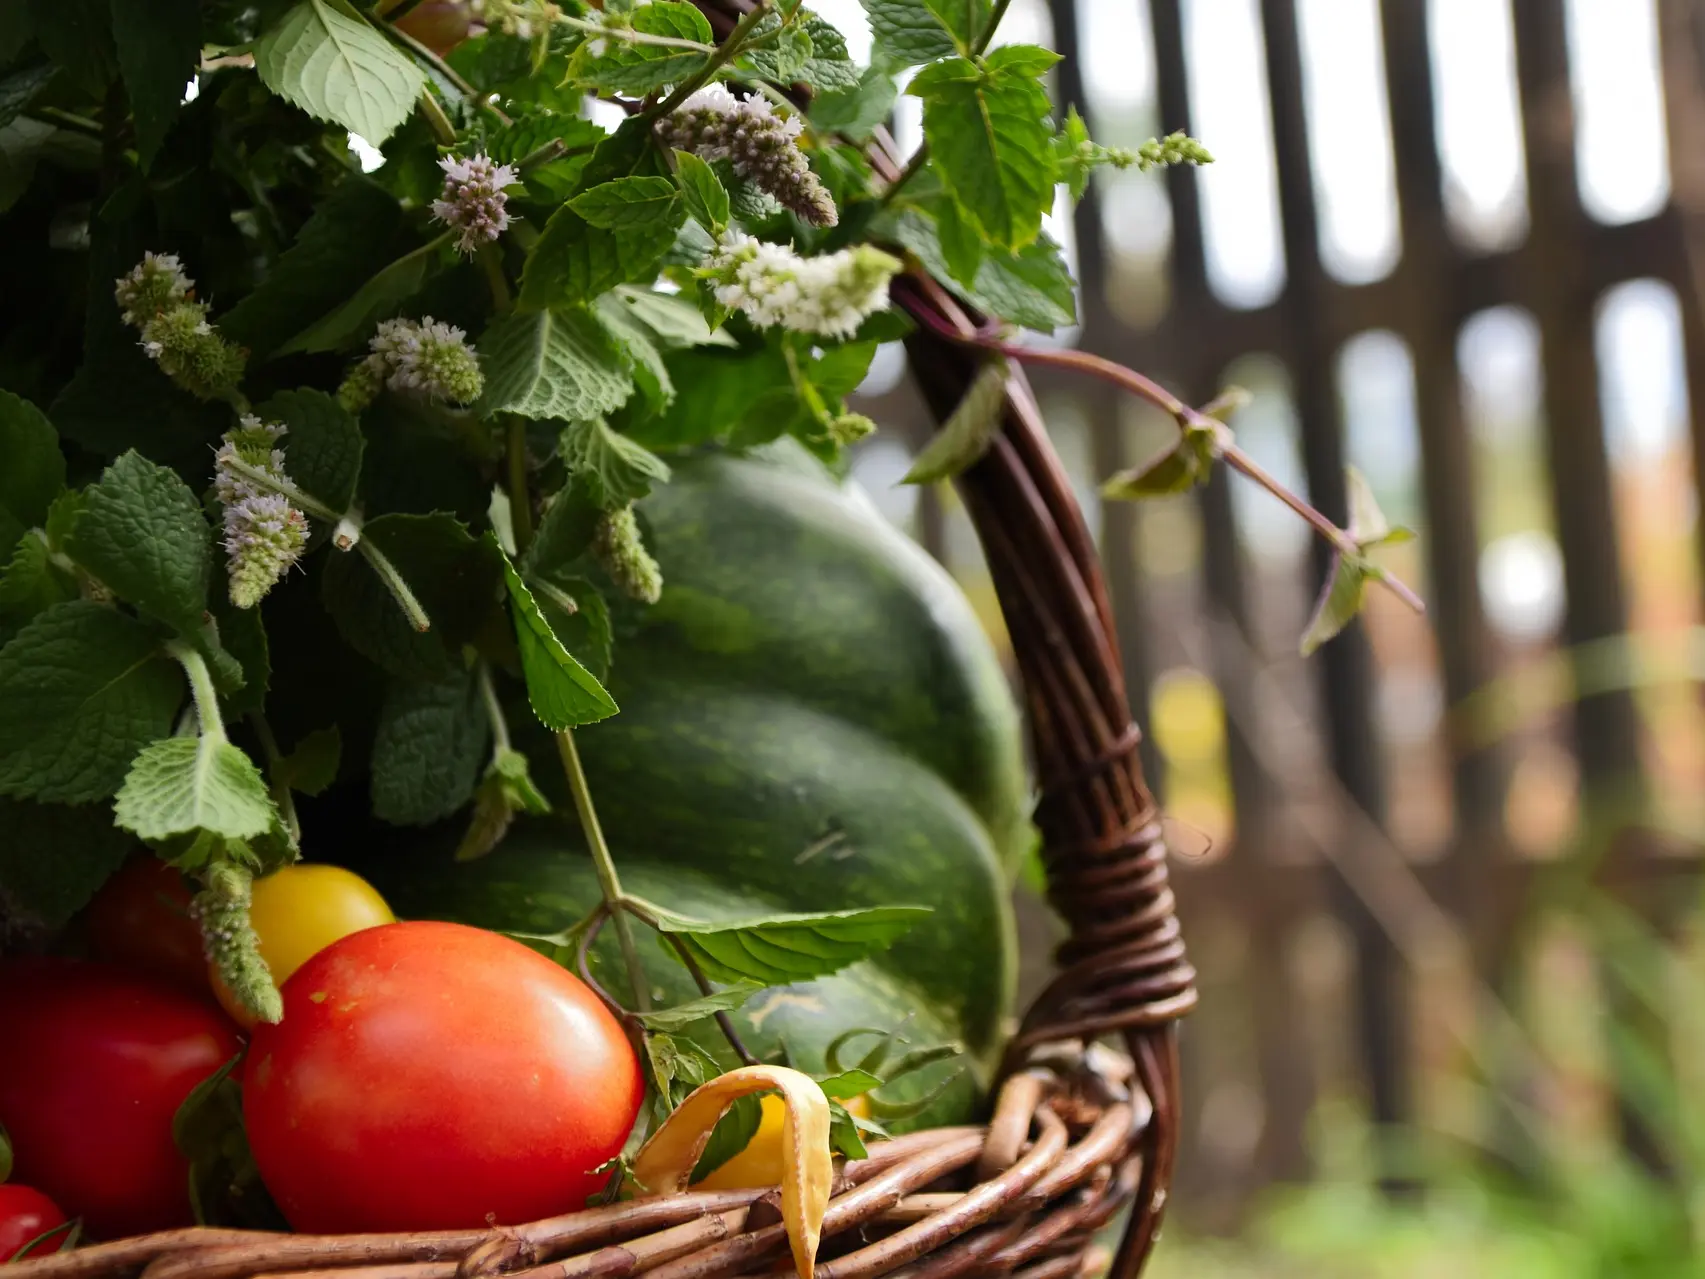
(621, 551)
(229, 940)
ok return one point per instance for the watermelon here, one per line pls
(811, 719)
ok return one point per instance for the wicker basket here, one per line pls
(1079, 1133)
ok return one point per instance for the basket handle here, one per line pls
(1123, 966)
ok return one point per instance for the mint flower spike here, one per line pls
(264, 534)
(228, 939)
(762, 146)
(473, 201)
(620, 550)
(828, 296)
(424, 357)
(157, 298)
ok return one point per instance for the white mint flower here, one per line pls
(473, 201)
(762, 145)
(829, 296)
(153, 285)
(264, 533)
(425, 356)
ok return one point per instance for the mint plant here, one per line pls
(305, 464)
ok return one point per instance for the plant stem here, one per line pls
(605, 867)
(66, 120)
(491, 265)
(1186, 417)
(630, 36)
(281, 794)
(201, 688)
(993, 25)
(722, 1019)
(724, 54)
(442, 129)
(920, 157)
(295, 496)
(493, 709)
(520, 499)
(394, 583)
(443, 68)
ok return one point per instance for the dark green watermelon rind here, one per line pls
(779, 578)
(778, 801)
(533, 885)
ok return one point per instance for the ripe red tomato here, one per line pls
(440, 25)
(429, 1075)
(140, 920)
(26, 1214)
(96, 1063)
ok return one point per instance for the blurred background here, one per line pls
(1442, 880)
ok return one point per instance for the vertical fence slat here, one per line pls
(1346, 662)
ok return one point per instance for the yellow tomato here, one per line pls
(299, 911)
(759, 1164)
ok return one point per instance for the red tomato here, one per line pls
(440, 25)
(95, 1065)
(140, 919)
(429, 1075)
(26, 1214)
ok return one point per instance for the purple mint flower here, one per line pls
(473, 201)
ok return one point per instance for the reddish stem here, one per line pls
(931, 312)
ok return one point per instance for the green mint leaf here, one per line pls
(783, 56)
(778, 949)
(159, 49)
(1340, 600)
(20, 87)
(352, 235)
(585, 630)
(672, 322)
(563, 693)
(706, 197)
(312, 765)
(848, 1084)
(830, 66)
(432, 738)
(961, 242)
(631, 149)
(989, 136)
(224, 1184)
(1027, 61)
(77, 34)
(857, 110)
(34, 470)
(505, 790)
(31, 583)
(557, 363)
(1186, 465)
(683, 1016)
(55, 856)
(968, 431)
(633, 203)
(732, 1134)
(964, 20)
(614, 469)
(183, 785)
(575, 261)
(1368, 525)
(322, 445)
(324, 57)
(1032, 287)
(565, 534)
(845, 1139)
(143, 534)
(242, 640)
(22, 143)
(553, 182)
(644, 360)
(378, 298)
(453, 574)
(907, 32)
(639, 69)
(1075, 156)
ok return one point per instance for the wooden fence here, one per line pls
(1311, 779)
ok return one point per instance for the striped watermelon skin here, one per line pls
(811, 719)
